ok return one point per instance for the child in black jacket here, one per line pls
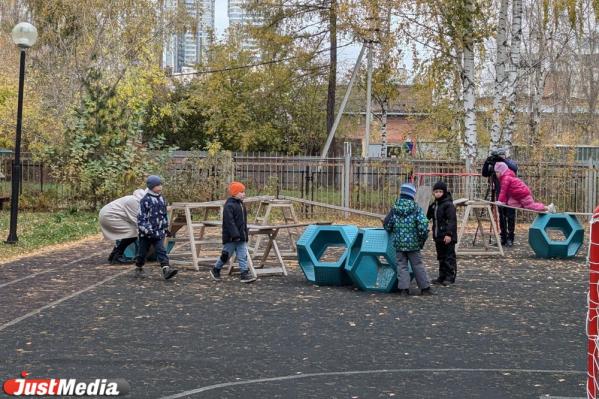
(443, 213)
(235, 234)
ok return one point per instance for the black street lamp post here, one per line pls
(24, 35)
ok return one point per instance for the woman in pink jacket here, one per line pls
(514, 192)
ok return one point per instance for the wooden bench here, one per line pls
(3, 199)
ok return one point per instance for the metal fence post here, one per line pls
(591, 187)
(346, 176)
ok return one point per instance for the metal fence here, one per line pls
(374, 184)
(38, 185)
(369, 185)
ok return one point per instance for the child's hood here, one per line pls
(405, 207)
(507, 173)
(140, 193)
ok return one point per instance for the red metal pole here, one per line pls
(592, 316)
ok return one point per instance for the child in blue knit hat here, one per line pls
(408, 226)
(152, 223)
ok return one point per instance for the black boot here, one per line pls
(168, 272)
(404, 293)
(439, 281)
(215, 274)
(427, 291)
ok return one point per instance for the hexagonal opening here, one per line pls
(555, 234)
(375, 271)
(328, 246)
(558, 229)
(332, 253)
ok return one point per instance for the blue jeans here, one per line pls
(144, 246)
(238, 248)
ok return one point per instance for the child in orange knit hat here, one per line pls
(235, 234)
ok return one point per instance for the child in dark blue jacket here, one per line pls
(152, 223)
(235, 234)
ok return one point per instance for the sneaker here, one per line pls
(551, 208)
(439, 281)
(427, 291)
(139, 272)
(246, 277)
(215, 274)
(168, 272)
(404, 293)
(509, 243)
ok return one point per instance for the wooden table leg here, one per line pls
(271, 237)
(250, 262)
(463, 227)
(192, 242)
(279, 257)
(496, 231)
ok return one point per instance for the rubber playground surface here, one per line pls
(509, 328)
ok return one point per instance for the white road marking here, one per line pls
(383, 371)
(49, 270)
(66, 298)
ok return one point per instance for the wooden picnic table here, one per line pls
(180, 215)
(271, 232)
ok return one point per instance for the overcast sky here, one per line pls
(346, 55)
(221, 21)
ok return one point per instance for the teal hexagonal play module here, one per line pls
(131, 251)
(372, 265)
(323, 251)
(542, 235)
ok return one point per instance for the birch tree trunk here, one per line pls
(384, 107)
(468, 88)
(500, 75)
(512, 82)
